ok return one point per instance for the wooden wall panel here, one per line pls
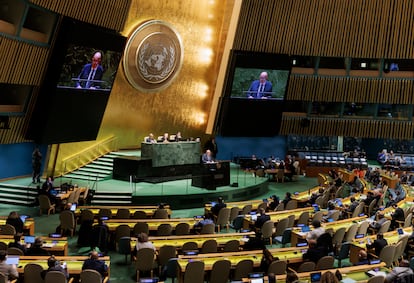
(351, 89)
(351, 28)
(351, 127)
(106, 13)
(22, 63)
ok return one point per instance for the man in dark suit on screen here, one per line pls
(91, 73)
(261, 88)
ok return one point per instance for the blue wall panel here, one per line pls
(262, 147)
(16, 159)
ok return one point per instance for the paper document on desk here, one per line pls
(375, 273)
(48, 245)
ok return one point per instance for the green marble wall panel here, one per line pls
(173, 153)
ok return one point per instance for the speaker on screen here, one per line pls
(73, 96)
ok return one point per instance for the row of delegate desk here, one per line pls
(55, 246)
(352, 273)
(149, 210)
(28, 226)
(291, 255)
(74, 263)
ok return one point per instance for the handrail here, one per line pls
(88, 154)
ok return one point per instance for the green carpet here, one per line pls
(119, 272)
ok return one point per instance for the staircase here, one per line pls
(98, 170)
(17, 194)
(112, 198)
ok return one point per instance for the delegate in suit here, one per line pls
(91, 73)
(261, 88)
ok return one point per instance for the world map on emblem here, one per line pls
(153, 56)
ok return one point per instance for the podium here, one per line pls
(211, 175)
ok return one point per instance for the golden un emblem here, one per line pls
(153, 56)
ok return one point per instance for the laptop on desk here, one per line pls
(305, 229)
(29, 239)
(256, 277)
(23, 217)
(315, 277)
(315, 207)
(12, 259)
(73, 207)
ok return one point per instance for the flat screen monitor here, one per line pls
(78, 82)
(256, 82)
(257, 75)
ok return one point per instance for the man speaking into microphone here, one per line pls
(91, 73)
(261, 88)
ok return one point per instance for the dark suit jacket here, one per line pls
(216, 209)
(398, 214)
(98, 265)
(314, 254)
(378, 245)
(254, 87)
(261, 220)
(17, 223)
(84, 74)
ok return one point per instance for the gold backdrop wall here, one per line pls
(184, 105)
(131, 114)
